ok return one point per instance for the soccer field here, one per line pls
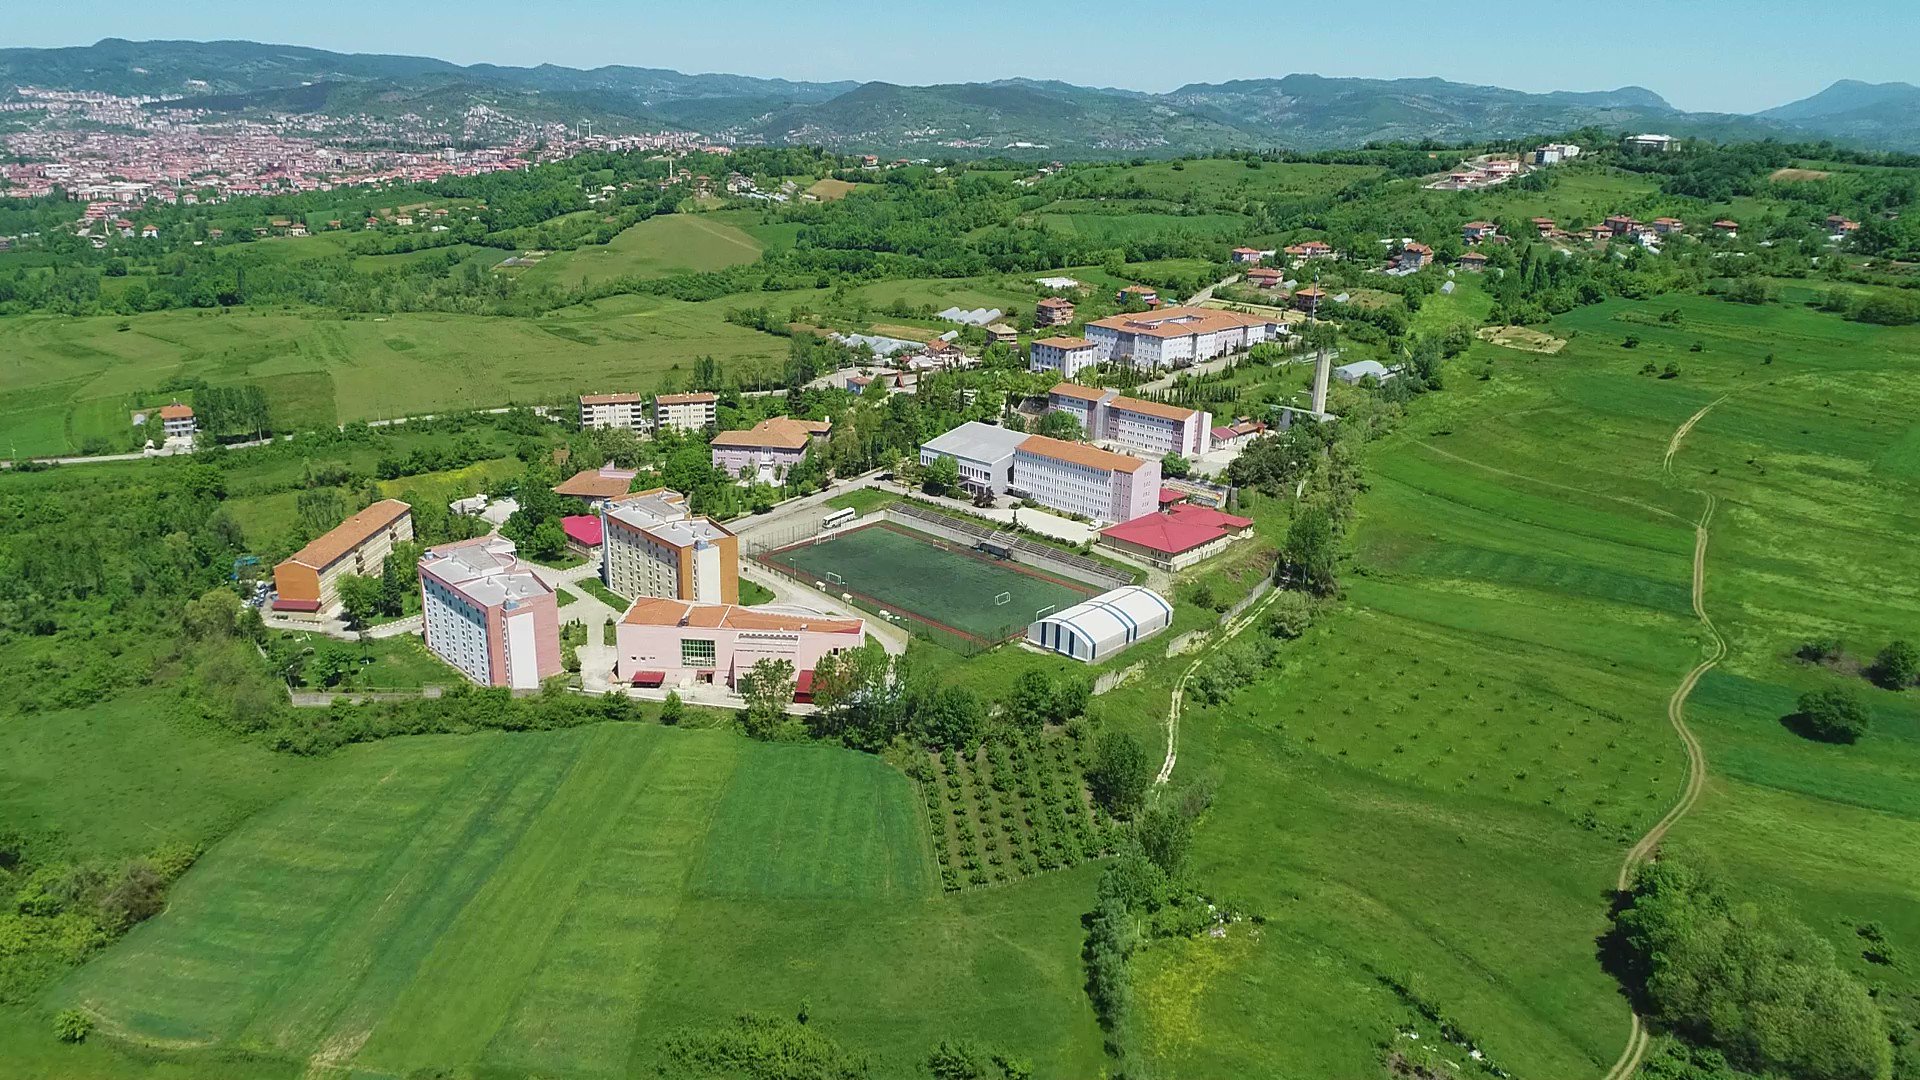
(918, 576)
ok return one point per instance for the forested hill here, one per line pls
(1027, 116)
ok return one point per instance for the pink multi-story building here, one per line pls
(676, 643)
(488, 615)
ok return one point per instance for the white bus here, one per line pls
(839, 518)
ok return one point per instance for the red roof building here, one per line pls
(1177, 537)
(583, 530)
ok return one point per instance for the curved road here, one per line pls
(1638, 1036)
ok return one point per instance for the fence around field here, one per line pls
(918, 625)
(1027, 552)
(963, 535)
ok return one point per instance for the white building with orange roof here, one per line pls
(661, 642)
(177, 421)
(1064, 356)
(1178, 336)
(685, 412)
(1146, 427)
(1078, 479)
(625, 411)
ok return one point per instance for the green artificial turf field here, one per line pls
(557, 903)
(918, 576)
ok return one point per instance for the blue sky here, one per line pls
(1723, 55)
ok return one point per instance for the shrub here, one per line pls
(137, 894)
(1836, 716)
(1897, 665)
(72, 1025)
(1120, 774)
(1818, 650)
(1289, 616)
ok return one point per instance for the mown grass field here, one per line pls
(1467, 748)
(656, 247)
(63, 379)
(557, 903)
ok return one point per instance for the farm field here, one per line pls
(661, 245)
(63, 379)
(1215, 179)
(1472, 744)
(557, 903)
(951, 590)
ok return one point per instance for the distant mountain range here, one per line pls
(1022, 116)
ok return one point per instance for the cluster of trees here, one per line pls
(59, 911)
(868, 700)
(1739, 974)
(1145, 893)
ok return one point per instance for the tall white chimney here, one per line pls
(1322, 367)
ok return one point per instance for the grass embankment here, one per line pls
(1470, 743)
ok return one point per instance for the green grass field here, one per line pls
(555, 904)
(656, 247)
(123, 778)
(63, 379)
(1470, 744)
(919, 577)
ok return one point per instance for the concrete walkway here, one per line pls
(790, 592)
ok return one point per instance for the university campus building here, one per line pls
(983, 452)
(489, 615)
(665, 642)
(1178, 336)
(650, 546)
(1066, 356)
(1078, 479)
(307, 583)
(1145, 427)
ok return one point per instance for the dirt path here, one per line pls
(1244, 620)
(1637, 1034)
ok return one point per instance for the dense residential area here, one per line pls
(534, 572)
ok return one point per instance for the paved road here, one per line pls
(1206, 294)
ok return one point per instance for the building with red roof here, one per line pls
(1177, 537)
(584, 531)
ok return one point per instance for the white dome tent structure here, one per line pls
(1095, 629)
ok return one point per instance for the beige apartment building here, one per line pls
(651, 546)
(307, 583)
(628, 411)
(686, 412)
